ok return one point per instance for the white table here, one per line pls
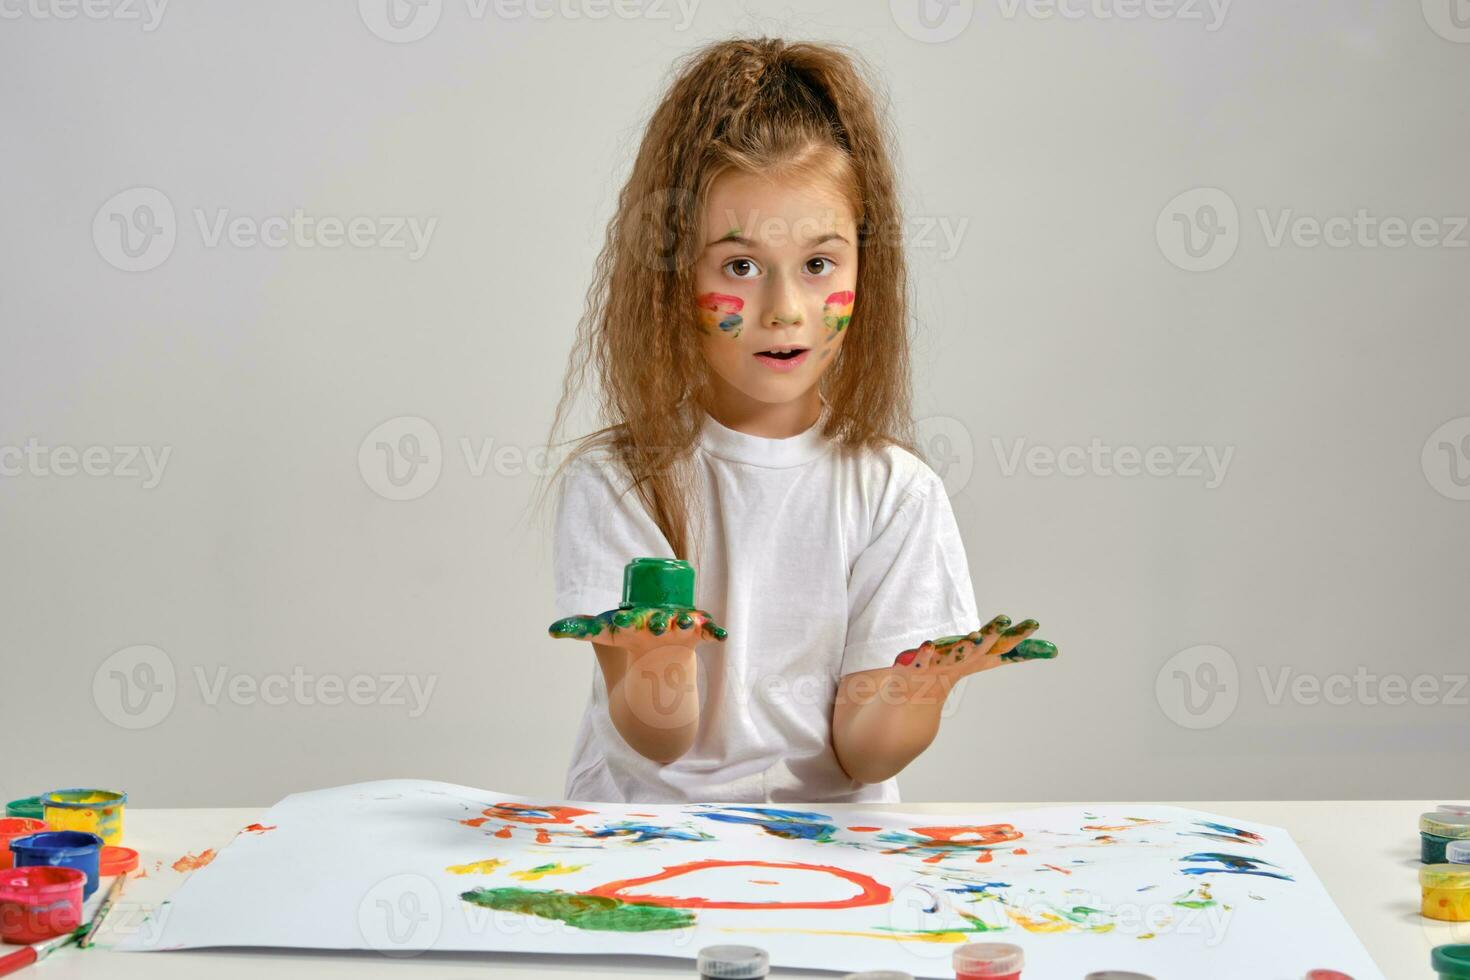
(1367, 855)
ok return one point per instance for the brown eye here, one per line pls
(739, 268)
(819, 272)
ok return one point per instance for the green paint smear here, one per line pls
(1032, 649)
(582, 911)
(654, 619)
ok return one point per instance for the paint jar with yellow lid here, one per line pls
(92, 811)
(1446, 892)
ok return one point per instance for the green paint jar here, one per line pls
(1436, 830)
(31, 808)
(1451, 962)
(664, 582)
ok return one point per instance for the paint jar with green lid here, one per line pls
(664, 582)
(31, 808)
(1451, 962)
(1436, 830)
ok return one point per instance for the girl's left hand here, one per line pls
(995, 643)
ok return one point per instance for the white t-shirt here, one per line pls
(819, 562)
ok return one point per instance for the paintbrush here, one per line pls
(103, 909)
(30, 954)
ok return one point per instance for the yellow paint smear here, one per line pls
(536, 874)
(475, 867)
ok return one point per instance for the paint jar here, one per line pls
(29, 807)
(1327, 975)
(61, 849)
(11, 828)
(988, 961)
(38, 903)
(731, 962)
(1436, 830)
(1457, 852)
(1463, 809)
(116, 861)
(1446, 891)
(93, 811)
(1451, 962)
(1118, 975)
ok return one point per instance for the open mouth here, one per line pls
(784, 354)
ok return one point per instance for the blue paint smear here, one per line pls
(1231, 864)
(643, 832)
(790, 824)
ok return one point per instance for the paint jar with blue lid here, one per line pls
(1451, 962)
(1437, 830)
(733, 962)
(61, 849)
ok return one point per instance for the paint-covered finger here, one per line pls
(1010, 638)
(919, 656)
(578, 627)
(1033, 648)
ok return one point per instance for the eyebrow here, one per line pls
(735, 238)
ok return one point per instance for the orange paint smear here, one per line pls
(1020, 850)
(763, 881)
(985, 858)
(256, 828)
(994, 833)
(474, 821)
(503, 833)
(191, 862)
(1123, 826)
(870, 891)
(864, 830)
(542, 837)
(1055, 868)
(522, 813)
(935, 859)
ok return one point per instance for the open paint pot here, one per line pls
(30, 808)
(988, 961)
(1436, 830)
(38, 903)
(61, 849)
(1446, 892)
(94, 811)
(1451, 962)
(11, 828)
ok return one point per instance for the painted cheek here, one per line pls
(720, 310)
(837, 312)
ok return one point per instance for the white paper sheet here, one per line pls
(403, 866)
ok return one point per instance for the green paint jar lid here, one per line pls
(30, 807)
(1451, 962)
(666, 582)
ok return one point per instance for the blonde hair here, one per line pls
(761, 106)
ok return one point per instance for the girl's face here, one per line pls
(776, 275)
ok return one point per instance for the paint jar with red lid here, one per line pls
(39, 902)
(11, 828)
(988, 961)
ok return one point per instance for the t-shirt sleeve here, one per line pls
(598, 530)
(911, 583)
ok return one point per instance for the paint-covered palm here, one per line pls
(641, 627)
(995, 643)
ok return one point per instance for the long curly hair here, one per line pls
(762, 106)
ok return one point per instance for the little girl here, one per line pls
(747, 324)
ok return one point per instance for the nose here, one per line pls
(784, 306)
